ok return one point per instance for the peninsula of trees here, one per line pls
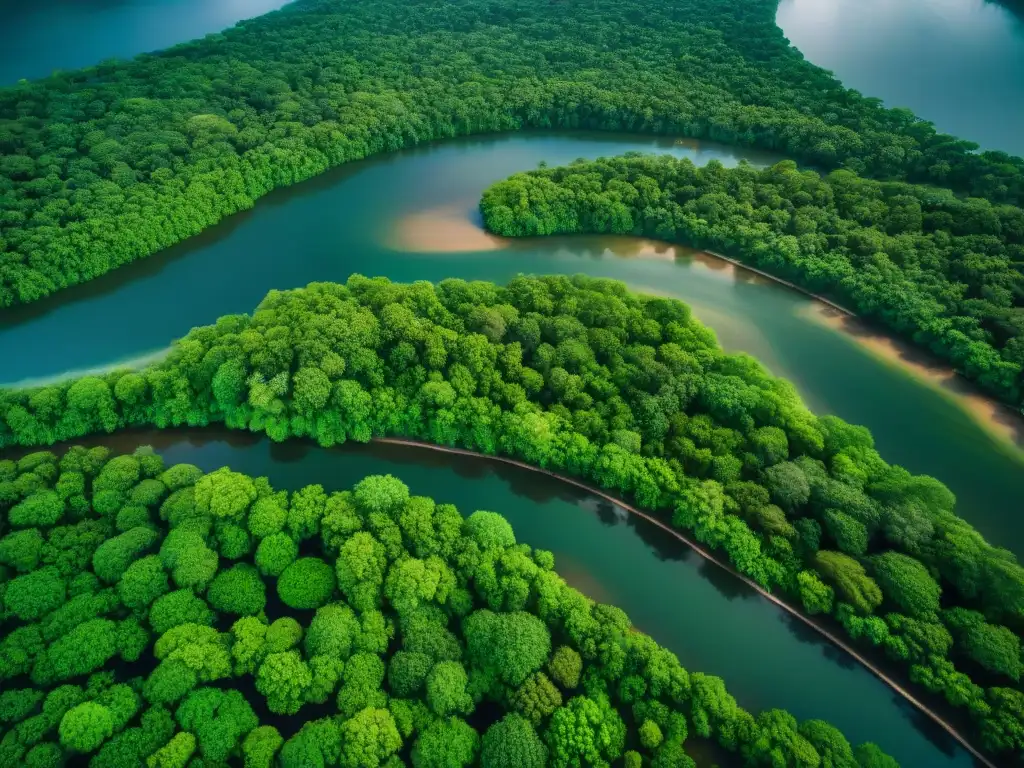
(942, 271)
(161, 617)
(111, 163)
(629, 392)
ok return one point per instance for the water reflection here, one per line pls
(712, 621)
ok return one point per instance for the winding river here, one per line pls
(711, 620)
(412, 215)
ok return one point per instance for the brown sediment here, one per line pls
(709, 556)
(449, 228)
(580, 579)
(998, 419)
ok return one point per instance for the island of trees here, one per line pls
(942, 271)
(111, 163)
(156, 616)
(628, 392)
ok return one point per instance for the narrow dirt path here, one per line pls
(799, 615)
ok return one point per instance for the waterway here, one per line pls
(40, 36)
(413, 215)
(957, 63)
(711, 620)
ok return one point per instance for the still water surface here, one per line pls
(712, 621)
(957, 63)
(412, 216)
(40, 36)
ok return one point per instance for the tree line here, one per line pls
(635, 395)
(163, 617)
(941, 271)
(110, 163)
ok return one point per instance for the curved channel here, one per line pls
(712, 620)
(413, 215)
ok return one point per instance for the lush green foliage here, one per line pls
(104, 165)
(940, 270)
(575, 374)
(399, 677)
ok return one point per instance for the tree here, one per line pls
(44, 509)
(191, 562)
(332, 631)
(512, 645)
(788, 485)
(35, 594)
(178, 607)
(306, 584)
(536, 698)
(284, 679)
(81, 651)
(407, 672)
(446, 689)
(85, 727)
(143, 582)
(175, 753)
(829, 743)
(815, 595)
(368, 739)
(21, 549)
(363, 675)
(490, 530)
(650, 735)
(565, 667)
(218, 719)
(238, 590)
(360, 570)
(224, 494)
(381, 493)
(512, 743)
(112, 557)
(261, 746)
(584, 731)
(907, 582)
(275, 553)
(448, 743)
(850, 579)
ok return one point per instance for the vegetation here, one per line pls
(575, 374)
(111, 163)
(439, 663)
(942, 271)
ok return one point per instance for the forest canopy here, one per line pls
(581, 376)
(143, 631)
(943, 271)
(107, 164)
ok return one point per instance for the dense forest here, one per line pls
(631, 393)
(943, 271)
(110, 163)
(154, 615)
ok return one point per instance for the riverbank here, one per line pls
(999, 419)
(711, 558)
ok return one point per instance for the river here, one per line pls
(957, 63)
(412, 215)
(40, 36)
(713, 622)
